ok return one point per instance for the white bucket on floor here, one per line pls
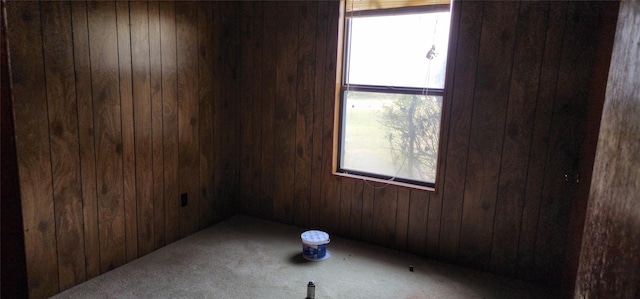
(314, 245)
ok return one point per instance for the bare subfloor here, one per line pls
(245, 257)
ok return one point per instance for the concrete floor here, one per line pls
(245, 257)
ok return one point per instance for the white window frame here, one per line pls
(341, 87)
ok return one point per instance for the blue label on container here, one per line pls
(314, 252)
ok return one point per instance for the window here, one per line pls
(393, 73)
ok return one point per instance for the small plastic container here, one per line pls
(314, 245)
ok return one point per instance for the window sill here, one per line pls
(380, 183)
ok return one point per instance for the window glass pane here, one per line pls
(392, 50)
(391, 134)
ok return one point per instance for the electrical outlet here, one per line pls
(184, 199)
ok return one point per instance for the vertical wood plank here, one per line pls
(155, 70)
(539, 139)
(284, 118)
(32, 146)
(307, 14)
(63, 132)
(268, 108)
(330, 203)
(103, 40)
(188, 117)
(417, 227)
(402, 218)
(433, 218)
(218, 108)
(385, 203)
(229, 83)
(318, 112)
(368, 193)
(466, 60)
(206, 48)
(523, 91)
(128, 130)
(86, 137)
(141, 75)
(257, 46)
(356, 210)
(487, 131)
(568, 125)
(346, 196)
(225, 93)
(245, 100)
(170, 120)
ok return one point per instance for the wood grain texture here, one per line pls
(189, 111)
(459, 129)
(170, 120)
(487, 132)
(33, 147)
(114, 134)
(305, 79)
(402, 218)
(188, 117)
(257, 90)
(247, 77)
(329, 211)
(540, 141)
(612, 219)
(355, 213)
(139, 22)
(267, 104)
(318, 111)
(346, 197)
(229, 82)
(418, 221)
(128, 129)
(385, 204)
(155, 76)
(250, 108)
(568, 124)
(285, 113)
(103, 41)
(86, 138)
(63, 134)
(206, 75)
(227, 111)
(523, 91)
(367, 212)
(492, 198)
(218, 108)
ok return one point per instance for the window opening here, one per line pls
(391, 94)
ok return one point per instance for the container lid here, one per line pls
(315, 237)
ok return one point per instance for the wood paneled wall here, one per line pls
(610, 257)
(523, 99)
(120, 107)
